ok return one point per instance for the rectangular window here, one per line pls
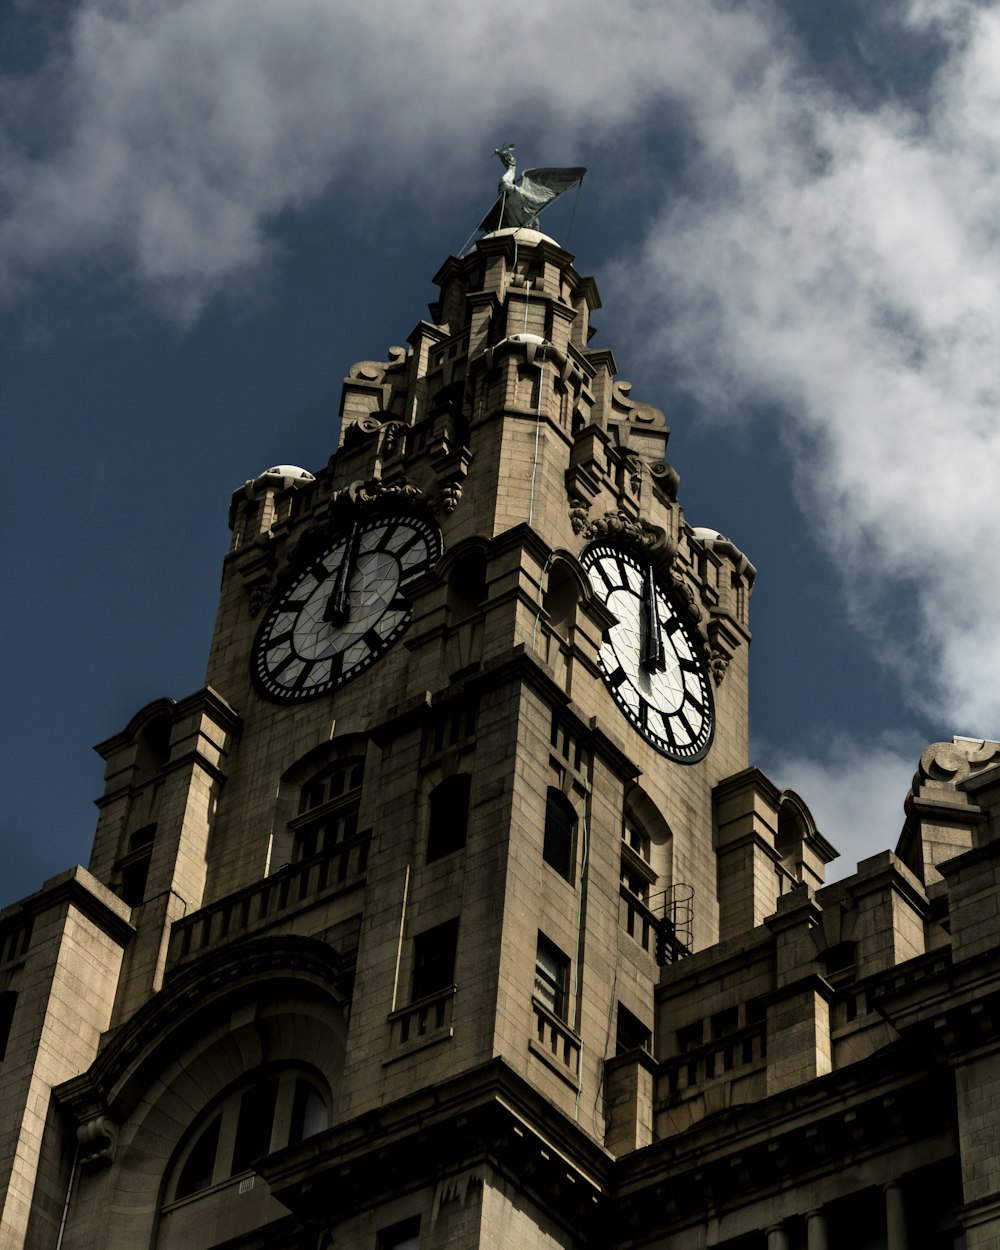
(402, 1236)
(434, 959)
(560, 828)
(449, 817)
(8, 1001)
(632, 1033)
(551, 977)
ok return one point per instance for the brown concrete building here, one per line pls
(451, 912)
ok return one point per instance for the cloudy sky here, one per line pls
(210, 208)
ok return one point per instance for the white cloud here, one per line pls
(855, 792)
(174, 132)
(851, 273)
(839, 258)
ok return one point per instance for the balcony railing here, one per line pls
(665, 936)
(555, 1039)
(640, 923)
(267, 901)
(746, 1048)
(428, 1018)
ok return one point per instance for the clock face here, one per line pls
(649, 660)
(347, 608)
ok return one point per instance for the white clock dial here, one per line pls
(345, 610)
(650, 659)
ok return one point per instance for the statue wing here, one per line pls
(541, 186)
(524, 200)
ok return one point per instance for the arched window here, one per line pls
(560, 832)
(252, 1121)
(562, 594)
(329, 804)
(449, 816)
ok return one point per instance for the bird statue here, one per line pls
(519, 203)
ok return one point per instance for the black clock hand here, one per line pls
(336, 611)
(653, 657)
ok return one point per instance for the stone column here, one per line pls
(895, 1216)
(816, 1238)
(777, 1238)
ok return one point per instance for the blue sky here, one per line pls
(211, 208)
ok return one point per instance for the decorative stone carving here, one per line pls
(650, 540)
(578, 514)
(451, 493)
(667, 478)
(718, 662)
(97, 1139)
(624, 408)
(375, 370)
(373, 490)
(259, 594)
(949, 763)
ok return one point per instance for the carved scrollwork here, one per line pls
(375, 370)
(622, 406)
(97, 1139)
(667, 478)
(944, 765)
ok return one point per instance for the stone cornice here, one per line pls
(488, 1117)
(78, 888)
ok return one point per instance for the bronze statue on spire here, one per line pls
(519, 203)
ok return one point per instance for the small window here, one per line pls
(560, 828)
(467, 587)
(690, 1037)
(199, 1167)
(840, 958)
(635, 839)
(449, 817)
(434, 959)
(402, 1236)
(134, 865)
(725, 1022)
(308, 1113)
(253, 1127)
(8, 1000)
(551, 977)
(632, 1034)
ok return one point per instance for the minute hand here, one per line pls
(653, 657)
(336, 610)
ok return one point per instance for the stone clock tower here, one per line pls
(427, 920)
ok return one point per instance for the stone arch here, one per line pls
(795, 829)
(261, 1003)
(566, 585)
(639, 806)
